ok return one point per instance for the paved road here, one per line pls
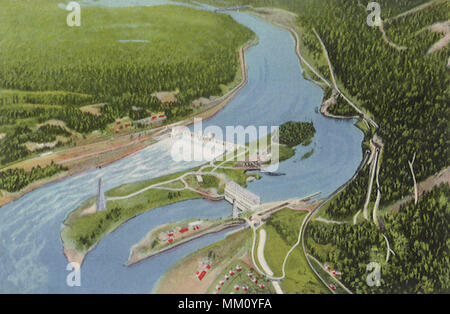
(261, 258)
(369, 189)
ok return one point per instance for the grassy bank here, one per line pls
(83, 230)
(282, 233)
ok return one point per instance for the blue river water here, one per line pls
(31, 255)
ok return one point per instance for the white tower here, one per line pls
(235, 210)
(101, 202)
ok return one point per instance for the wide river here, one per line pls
(31, 255)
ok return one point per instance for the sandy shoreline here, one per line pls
(73, 256)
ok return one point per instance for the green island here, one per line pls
(296, 133)
(308, 154)
(292, 134)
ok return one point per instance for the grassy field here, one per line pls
(126, 189)
(242, 279)
(282, 232)
(83, 232)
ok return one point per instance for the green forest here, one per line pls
(13, 180)
(48, 70)
(418, 235)
(296, 133)
(406, 92)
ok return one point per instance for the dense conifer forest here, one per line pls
(404, 88)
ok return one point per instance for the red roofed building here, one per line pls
(184, 229)
(202, 274)
(236, 287)
(261, 286)
(208, 266)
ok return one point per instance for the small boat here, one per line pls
(275, 174)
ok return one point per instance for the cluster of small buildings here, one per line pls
(202, 273)
(255, 280)
(119, 126)
(155, 118)
(334, 273)
(238, 287)
(227, 277)
(194, 226)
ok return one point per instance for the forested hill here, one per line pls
(119, 58)
(406, 92)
